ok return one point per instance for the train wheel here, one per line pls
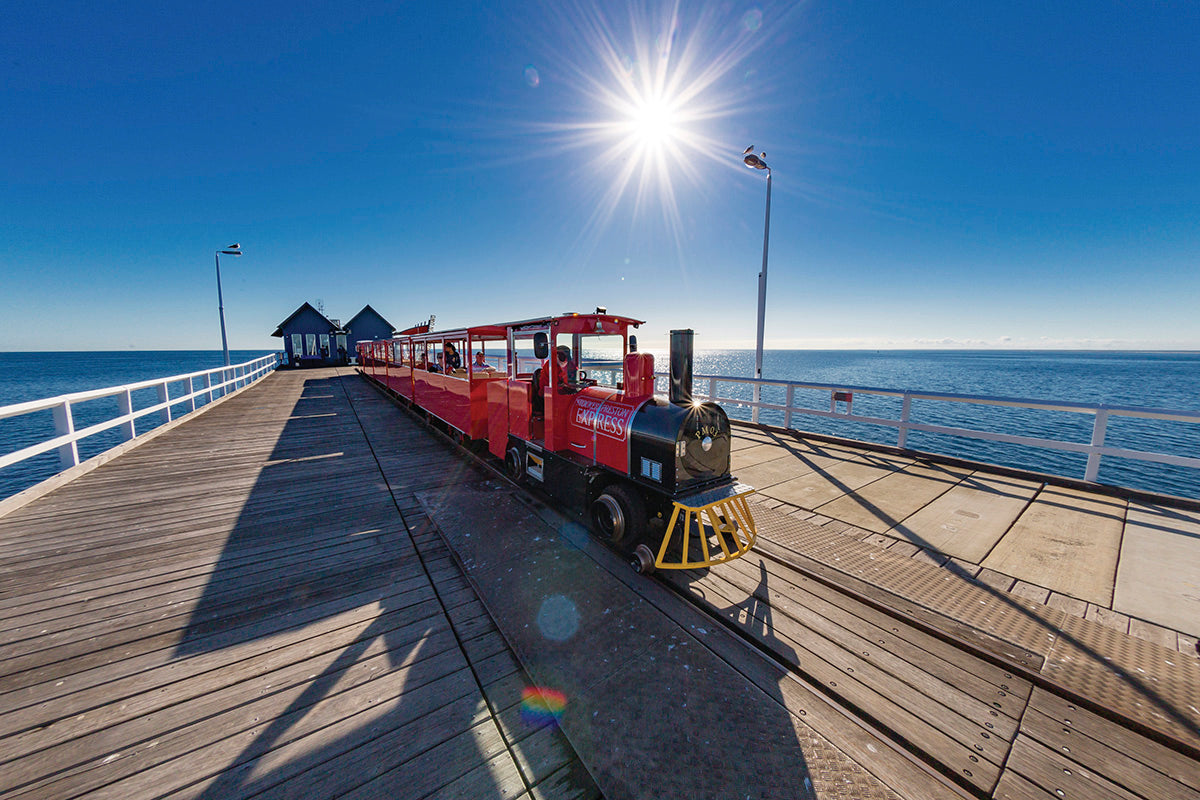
(513, 465)
(619, 515)
(642, 560)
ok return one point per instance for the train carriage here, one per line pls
(568, 404)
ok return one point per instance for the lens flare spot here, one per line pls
(541, 706)
(752, 20)
(532, 79)
(558, 618)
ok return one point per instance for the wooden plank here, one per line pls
(888, 696)
(497, 777)
(794, 594)
(331, 748)
(768, 473)
(1060, 775)
(1114, 765)
(435, 771)
(1013, 787)
(74, 651)
(35, 708)
(75, 611)
(407, 655)
(569, 782)
(967, 521)
(1130, 745)
(1158, 576)
(881, 505)
(1068, 541)
(816, 488)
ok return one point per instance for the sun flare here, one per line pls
(652, 97)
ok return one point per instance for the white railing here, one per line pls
(213, 383)
(841, 405)
(844, 395)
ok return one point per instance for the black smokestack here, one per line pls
(681, 367)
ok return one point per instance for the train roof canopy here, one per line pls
(574, 323)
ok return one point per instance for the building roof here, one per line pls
(364, 310)
(298, 311)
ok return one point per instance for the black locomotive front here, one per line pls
(679, 448)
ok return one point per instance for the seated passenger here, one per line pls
(450, 358)
(480, 365)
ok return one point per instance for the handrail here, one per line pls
(66, 437)
(1095, 449)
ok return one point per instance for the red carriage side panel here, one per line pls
(599, 426)
(497, 419)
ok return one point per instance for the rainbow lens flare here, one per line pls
(541, 706)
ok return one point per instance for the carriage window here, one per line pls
(493, 362)
(523, 362)
(454, 360)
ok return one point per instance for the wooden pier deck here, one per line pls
(258, 604)
(1132, 564)
(250, 605)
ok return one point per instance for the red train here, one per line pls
(652, 471)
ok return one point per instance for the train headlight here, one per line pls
(706, 443)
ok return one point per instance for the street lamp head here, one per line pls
(749, 149)
(756, 161)
(230, 252)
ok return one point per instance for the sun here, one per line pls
(654, 123)
(650, 94)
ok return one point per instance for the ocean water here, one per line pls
(34, 376)
(1167, 380)
(1159, 380)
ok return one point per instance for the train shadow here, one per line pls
(783, 755)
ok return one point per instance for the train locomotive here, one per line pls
(651, 471)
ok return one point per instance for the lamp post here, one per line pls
(759, 162)
(232, 250)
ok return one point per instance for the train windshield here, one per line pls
(600, 355)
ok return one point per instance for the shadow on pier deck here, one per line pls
(244, 607)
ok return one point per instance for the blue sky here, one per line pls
(946, 174)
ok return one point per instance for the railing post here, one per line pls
(787, 415)
(712, 390)
(208, 385)
(191, 393)
(757, 400)
(64, 425)
(125, 403)
(164, 396)
(905, 414)
(1099, 429)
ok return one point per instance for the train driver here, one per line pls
(480, 365)
(566, 366)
